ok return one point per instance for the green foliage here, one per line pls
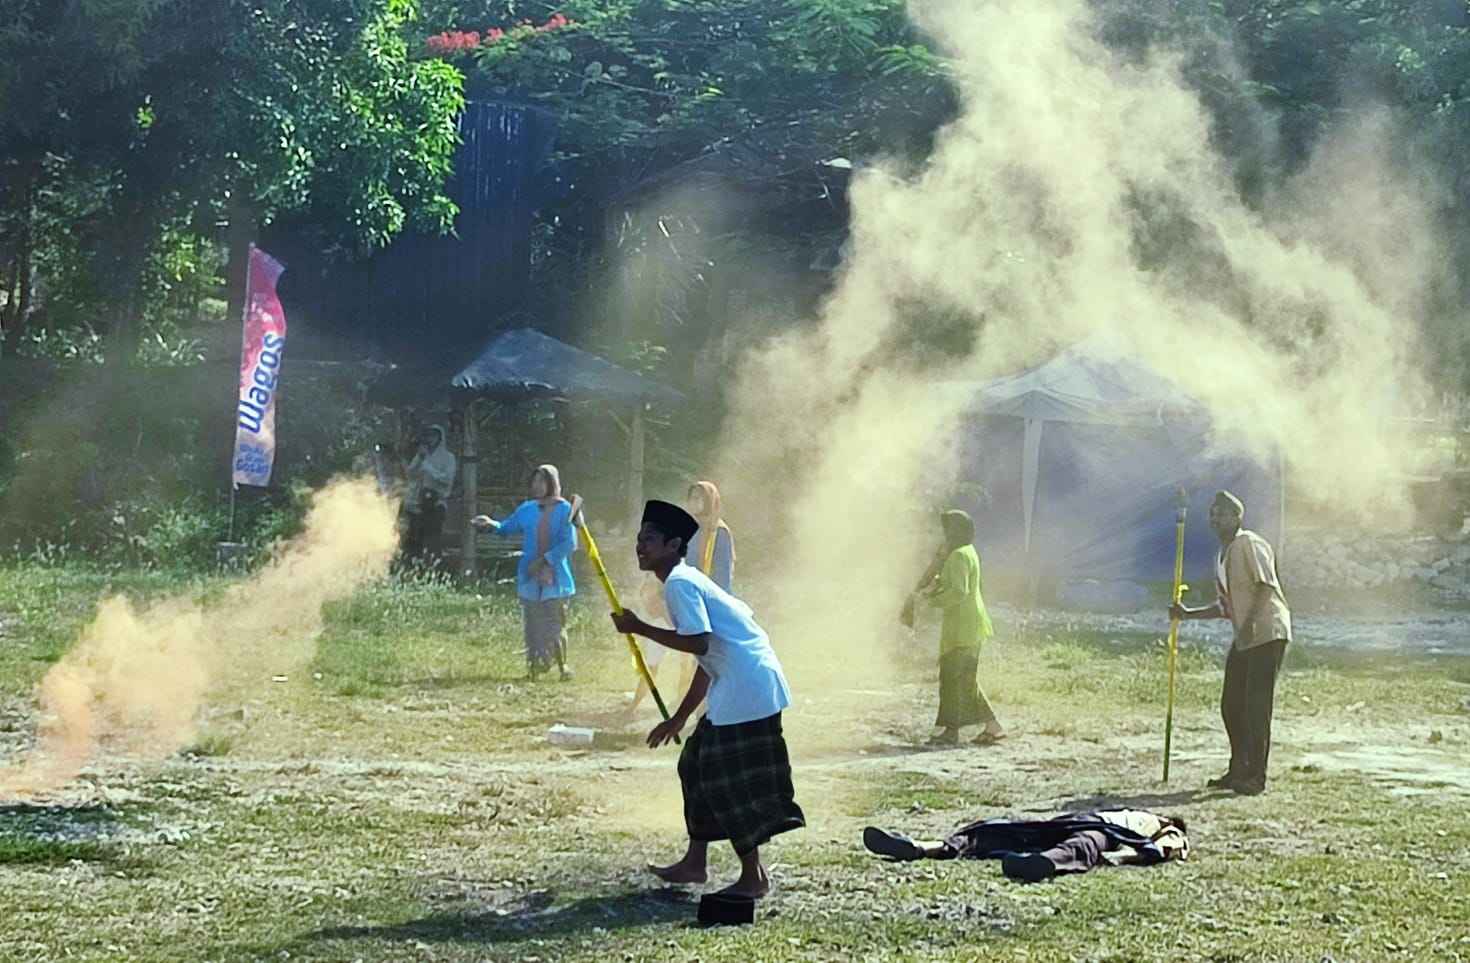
(115, 179)
(678, 76)
(211, 745)
(339, 122)
(118, 177)
(106, 472)
(772, 87)
(153, 533)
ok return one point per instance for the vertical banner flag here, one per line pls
(263, 348)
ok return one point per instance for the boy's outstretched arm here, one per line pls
(627, 621)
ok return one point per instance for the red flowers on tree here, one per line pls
(453, 42)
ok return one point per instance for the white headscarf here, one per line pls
(433, 472)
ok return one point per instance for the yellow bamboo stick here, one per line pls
(1178, 595)
(612, 597)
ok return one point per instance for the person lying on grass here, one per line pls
(1032, 850)
(734, 770)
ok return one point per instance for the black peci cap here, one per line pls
(670, 519)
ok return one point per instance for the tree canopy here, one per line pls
(134, 131)
(131, 127)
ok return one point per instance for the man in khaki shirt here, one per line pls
(1249, 595)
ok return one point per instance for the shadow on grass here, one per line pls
(534, 917)
(36, 835)
(52, 819)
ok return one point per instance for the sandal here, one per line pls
(988, 738)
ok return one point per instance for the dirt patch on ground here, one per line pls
(1404, 770)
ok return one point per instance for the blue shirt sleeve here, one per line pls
(563, 536)
(686, 607)
(515, 523)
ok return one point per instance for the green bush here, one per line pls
(160, 532)
(153, 532)
(103, 472)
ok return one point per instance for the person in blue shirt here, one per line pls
(734, 769)
(544, 574)
(712, 551)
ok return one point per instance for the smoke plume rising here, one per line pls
(136, 679)
(1079, 194)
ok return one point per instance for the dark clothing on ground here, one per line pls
(994, 838)
(961, 700)
(1033, 850)
(1246, 703)
(1077, 853)
(737, 783)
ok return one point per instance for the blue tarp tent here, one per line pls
(526, 363)
(521, 365)
(1073, 469)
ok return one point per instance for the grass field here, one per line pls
(395, 799)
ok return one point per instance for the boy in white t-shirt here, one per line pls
(734, 768)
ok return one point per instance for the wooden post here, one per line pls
(469, 469)
(635, 466)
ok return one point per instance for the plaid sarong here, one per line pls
(737, 783)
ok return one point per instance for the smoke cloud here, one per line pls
(1079, 194)
(137, 677)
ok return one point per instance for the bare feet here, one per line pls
(680, 873)
(748, 886)
(753, 882)
(990, 736)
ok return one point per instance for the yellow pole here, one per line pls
(612, 597)
(1179, 589)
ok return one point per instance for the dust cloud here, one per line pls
(1077, 195)
(136, 679)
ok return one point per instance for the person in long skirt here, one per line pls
(734, 769)
(544, 579)
(957, 591)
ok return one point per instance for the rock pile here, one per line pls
(1317, 559)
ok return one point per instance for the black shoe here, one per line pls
(892, 845)
(1225, 781)
(1027, 867)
